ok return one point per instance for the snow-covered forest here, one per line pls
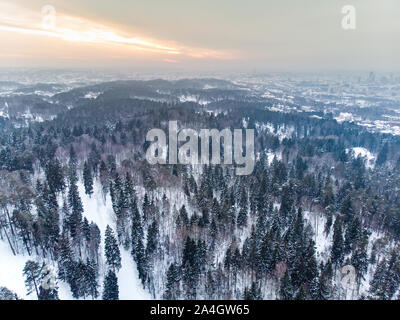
(83, 215)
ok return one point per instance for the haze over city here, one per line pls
(201, 35)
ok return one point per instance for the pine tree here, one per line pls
(77, 280)
(205, 219)
(32, 272)
(110, 287)
(242, 217)
(116, 191)
(286, 289)
(87, 179)
(86, 229)
(325, 282)
(377, 286)
(65, 258)
(129, 190)
(94, 158)
(228, 260)
(323, 288)
(346, 209)
(301, 294)
(353, 235)
(112, 253)
(254, 293)
(172, 286)
(94, 242)
(72, 157)
(55, 176)
(152, 239)
(182, 219)
(48, 289)
(190, 267)
(146, 207)
(123, 205)
(359, 259)
(141, 262)
(75, 204)
(137, 229)
(91, 279)
(392, 277)
(210, 286)
(6, 294)
(337, 252)
(311, 270)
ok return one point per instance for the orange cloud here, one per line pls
(78, 29)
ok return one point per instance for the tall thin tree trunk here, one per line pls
(9, 220)
(9, 242)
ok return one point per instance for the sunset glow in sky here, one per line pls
(261, 34)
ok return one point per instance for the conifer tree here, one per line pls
(286, 289)
(242, 218)
(141, 262)
(6, 294)
(252, 293)
(87, 179)
(55, 176)
(377, 286)
(112, 253)
(32, 272)
(110, 287)
(152, 239)
(65, 258)
(346, 209)
(172, 286)
(48, 289)
(323, 288)
(75, 204)
(337, 252)
(146, 207)
(137, 229)
(91, 279)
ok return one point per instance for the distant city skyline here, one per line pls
(201, 35)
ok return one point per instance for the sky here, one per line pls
(217, 35)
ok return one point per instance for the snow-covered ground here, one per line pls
(363, 153)
(11, 270)
(101, 213)
(92, 95)
(323, 241)
(193, 98)
(344, 116)
(98, 211)
(282, 132)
